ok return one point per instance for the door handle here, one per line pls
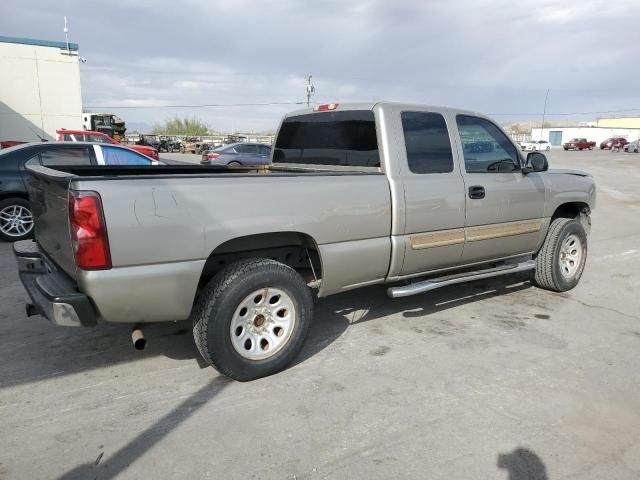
(476, 191)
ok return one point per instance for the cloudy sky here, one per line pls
(494, 56)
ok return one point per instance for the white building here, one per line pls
(39, 88)
(559, 135)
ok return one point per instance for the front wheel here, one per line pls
(561, 260)
(16, 219)
(252, 318)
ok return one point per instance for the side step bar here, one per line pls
(433, 283)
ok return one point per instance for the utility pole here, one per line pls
(311, 89)
(544, 112)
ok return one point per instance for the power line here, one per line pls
(565, 113)
(115, 107)
(264, 104)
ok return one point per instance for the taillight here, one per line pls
(88, 231)
(325, 107)
(211, 156)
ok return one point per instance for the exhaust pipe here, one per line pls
(137, 337)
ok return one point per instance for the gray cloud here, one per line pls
(493, 56)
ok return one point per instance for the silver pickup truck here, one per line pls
(413, 196)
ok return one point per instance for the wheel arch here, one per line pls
(577, 210)
(296, 249)
(22, 195)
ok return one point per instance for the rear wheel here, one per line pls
(234, 164)
(16, 220)
(252, 318)
(561, 260)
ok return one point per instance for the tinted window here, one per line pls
(247, 149)
(65, 156)
(485, 147)
(73, 137)
(427, 142)
(35, 160)
(123, 156)
(97, 139)
(264, 150)
(329, 138)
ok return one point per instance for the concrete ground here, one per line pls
(492, 380)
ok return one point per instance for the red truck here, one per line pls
(578, 144)
(99, 137)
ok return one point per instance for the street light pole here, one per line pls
(544, 112)
(311, 89)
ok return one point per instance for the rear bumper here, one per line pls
(54, 295)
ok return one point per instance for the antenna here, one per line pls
(311, 89)
(66, 34)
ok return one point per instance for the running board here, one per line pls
(433, 283)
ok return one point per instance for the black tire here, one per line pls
(220, 300)
(234, 164)
(19, 202)
(548, 274)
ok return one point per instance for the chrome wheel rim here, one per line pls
(15, 221)
(571, 254)
(263, 323)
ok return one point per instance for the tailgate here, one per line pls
(49, 198)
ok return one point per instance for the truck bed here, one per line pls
(164, 222)
(106, 172)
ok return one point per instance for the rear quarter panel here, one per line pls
(162, 230)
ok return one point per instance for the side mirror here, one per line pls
(536, 162)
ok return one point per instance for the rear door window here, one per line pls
(427, 142)
(329, 138)
(123, 156)
(264, 150)
(65, 156)
(247, 149)
(97, 138)
(73, 137)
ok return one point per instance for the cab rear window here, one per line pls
(329, 138)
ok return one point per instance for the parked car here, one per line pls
(238, 154)
(99, 137)
(240, 252)
(578, 144)
(170, 144)
(614, 143)
(16, 222)
(535, 145)
(9, 143)
(632, 146)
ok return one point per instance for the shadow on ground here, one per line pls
(35, 350)
(523, 464)
(115, 464)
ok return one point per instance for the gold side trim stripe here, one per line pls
(473, 234)
(437, 239)
(487, 232)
